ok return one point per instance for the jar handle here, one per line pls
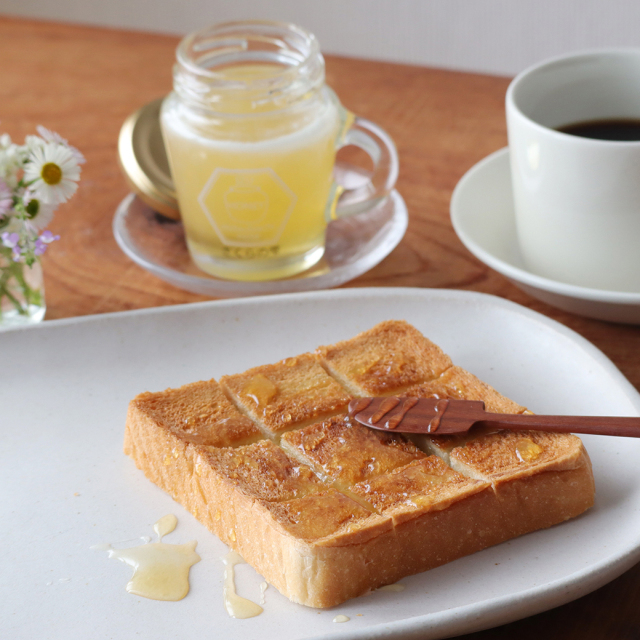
(379, 146)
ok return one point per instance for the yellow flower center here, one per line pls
(51, 173)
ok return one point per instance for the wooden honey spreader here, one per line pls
(447, 416)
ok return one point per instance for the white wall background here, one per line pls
(491, 36)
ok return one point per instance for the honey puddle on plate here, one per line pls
(236, 606)
(160, 570)
(263, 587)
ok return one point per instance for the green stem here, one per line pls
(16, 303)
(16, 270)
(6, 273)
(18, 273)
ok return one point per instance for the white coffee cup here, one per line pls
(577, 200)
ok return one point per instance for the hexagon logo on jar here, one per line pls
(247, 207)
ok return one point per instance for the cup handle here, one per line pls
(381, 149)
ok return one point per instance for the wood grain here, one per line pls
(83, 82)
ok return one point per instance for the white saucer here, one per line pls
(483, 217)
(353, 246)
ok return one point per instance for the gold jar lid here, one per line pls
(144, 162)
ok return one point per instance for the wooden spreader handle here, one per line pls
(443, 416)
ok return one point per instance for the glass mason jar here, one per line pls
(251, 132)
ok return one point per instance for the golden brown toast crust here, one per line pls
(263, 470)
(384, 360)
(199, 413)
(288, 394)
(348, 453)
(423, 485)
(320, 515)
(513, 454)
(327, 510)
(457, 383)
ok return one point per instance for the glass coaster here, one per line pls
(354, 245)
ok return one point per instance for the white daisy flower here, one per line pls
(6, 198)
(33, 142)
(51, 136)
(39, 213)
(11, 159)
(52, 173)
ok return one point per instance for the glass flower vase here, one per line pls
(21, 291)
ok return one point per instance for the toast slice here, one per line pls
(326, 509)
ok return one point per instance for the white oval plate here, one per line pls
(483, 216)
(69, 486)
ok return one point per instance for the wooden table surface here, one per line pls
(82, 82)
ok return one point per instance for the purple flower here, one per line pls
(48, 237)
(41, 243)
(10, 239)
(17, 253)
(39, 247)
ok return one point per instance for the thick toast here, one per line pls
(326, 509)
